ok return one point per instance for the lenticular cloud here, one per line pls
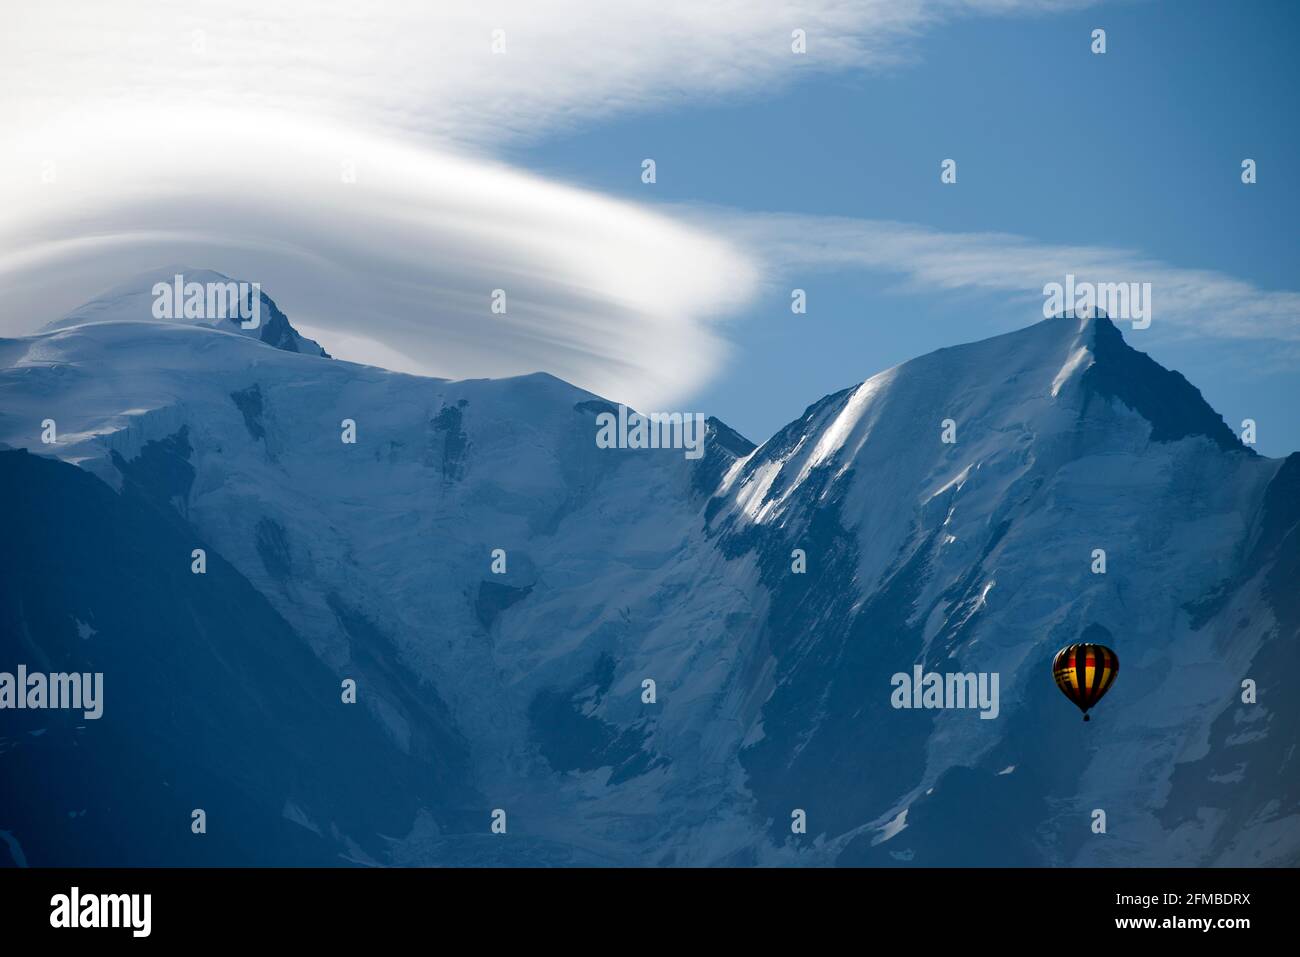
(400, 266)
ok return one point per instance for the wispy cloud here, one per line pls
(429, 67)
(1197, 302)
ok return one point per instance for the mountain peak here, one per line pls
(1174, 407)
(1093, 350)
(134, 301)
(1036, 384)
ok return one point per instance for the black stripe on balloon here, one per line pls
(1081, 673)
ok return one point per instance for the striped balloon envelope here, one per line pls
(1084, 673)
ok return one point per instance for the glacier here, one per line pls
(526, 690)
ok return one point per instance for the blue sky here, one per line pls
(1139, 148)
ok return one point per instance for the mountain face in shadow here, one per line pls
(210, 700)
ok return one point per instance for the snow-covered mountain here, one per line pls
(136, 299)
(772, 687)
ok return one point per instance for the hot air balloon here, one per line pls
(1084, 672)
